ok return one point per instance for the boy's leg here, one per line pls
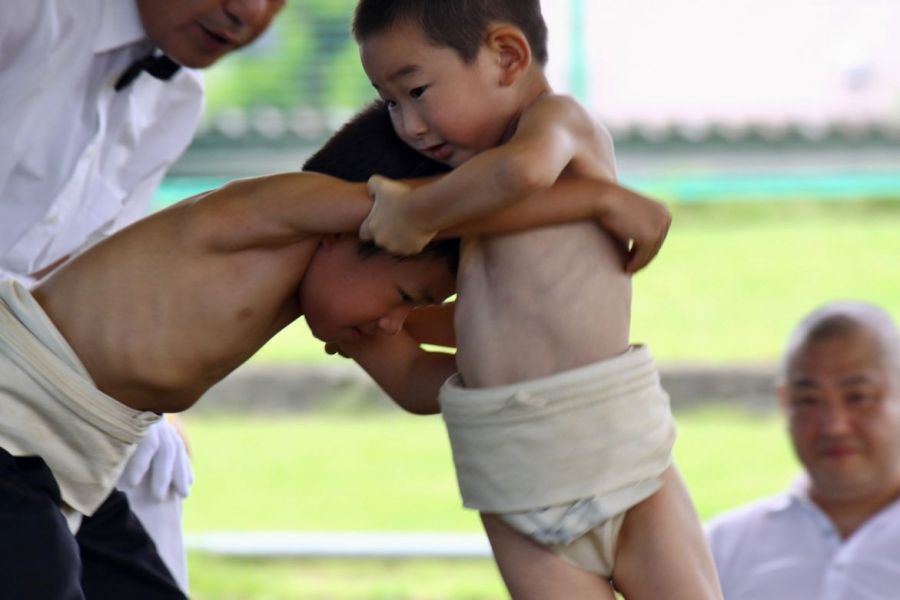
(532, 572)
(662, 552)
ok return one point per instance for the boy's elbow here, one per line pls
(523, 175)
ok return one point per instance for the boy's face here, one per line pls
(440, 106)
(345, 296)
(197, 33)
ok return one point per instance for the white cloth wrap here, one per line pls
(50, 407)
(595, 431)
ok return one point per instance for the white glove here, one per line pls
(162, 458)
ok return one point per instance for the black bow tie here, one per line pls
(161, 67)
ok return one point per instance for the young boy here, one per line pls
(560, 430)
(144, 323)
(148, 320)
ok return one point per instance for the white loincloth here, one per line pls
(50, 407)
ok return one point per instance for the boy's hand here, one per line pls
(639, 220)
(390, 223)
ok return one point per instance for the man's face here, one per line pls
(197, 33)
(843, 407)
(344, 296)
(440, 106)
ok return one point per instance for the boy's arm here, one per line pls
(285, 207)
(552, 133)
(639, 222)
(411, 376)
(280, 208)
(432, 324)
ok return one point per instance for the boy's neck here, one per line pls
(531, 87)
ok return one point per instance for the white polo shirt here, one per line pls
(78, 160)
(786, 548)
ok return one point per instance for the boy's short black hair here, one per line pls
(368, 145)
(445, 249)
(458, 24)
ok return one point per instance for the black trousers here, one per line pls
(110, 558)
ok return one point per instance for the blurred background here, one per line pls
(771, 130)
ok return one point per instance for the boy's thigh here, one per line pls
(38, 554)
(120, 559)
(664, 531)
(533, 572)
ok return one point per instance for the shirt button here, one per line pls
(52, 219)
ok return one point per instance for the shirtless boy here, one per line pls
(560, 430)
(146, 321)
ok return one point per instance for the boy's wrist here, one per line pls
(420, 214)
(606, 202)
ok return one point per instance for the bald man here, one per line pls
(835, 535)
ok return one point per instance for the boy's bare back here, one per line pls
(131, 309)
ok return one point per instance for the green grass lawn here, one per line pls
(393, 472)
(732, 279)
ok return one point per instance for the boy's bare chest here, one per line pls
(533, 290)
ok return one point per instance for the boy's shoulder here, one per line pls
(559, 107)
(558, 116)
(563, 114)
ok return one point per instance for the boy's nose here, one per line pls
(413, 124)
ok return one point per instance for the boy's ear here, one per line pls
(511, 51)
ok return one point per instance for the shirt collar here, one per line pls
(797, 493)
(120, 25)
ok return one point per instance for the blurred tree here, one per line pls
(307, 59)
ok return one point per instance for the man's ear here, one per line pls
(511, 51)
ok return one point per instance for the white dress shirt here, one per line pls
(786, 548)
(78, 160)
